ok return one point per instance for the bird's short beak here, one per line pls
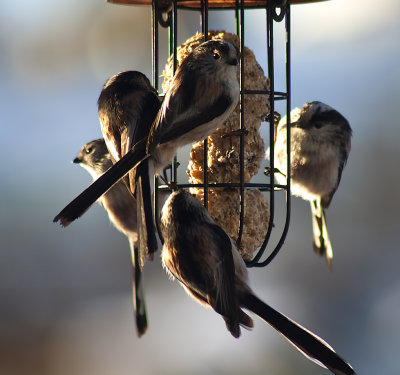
(76, 160)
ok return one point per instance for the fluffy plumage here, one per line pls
(127, 107)
(204, 259)
(121, 209)
(320, 145)
(204, 92)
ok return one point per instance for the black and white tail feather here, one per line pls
(321, 242)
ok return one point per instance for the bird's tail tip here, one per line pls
(63, 221)
(141, 325)
(325, 252)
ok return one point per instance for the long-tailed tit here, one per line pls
(205, 260)
(121, 209)
(320, 143)
(203, 93)
(127, 107)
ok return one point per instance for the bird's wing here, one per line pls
(146, 227)
(225, 269)
(189, 103)
(344, 153)
(111, 134)
(140, 109)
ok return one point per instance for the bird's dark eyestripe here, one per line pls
(224, 48)
(326, 117)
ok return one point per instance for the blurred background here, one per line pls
(65, 294)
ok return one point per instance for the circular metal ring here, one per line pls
(279, 4)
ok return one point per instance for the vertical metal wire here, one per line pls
(204, 18)
(154, 44)
(271, 119)
(242, 126)
(288, 121)
(154, 55)
(173, 43)
(288, 109)
(237, 13)
(174, 46)
(271, 97)
(204, 29)
(288, 105)
(288, 140)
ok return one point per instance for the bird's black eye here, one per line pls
(89, 150)
(216, 55)
(318, 125)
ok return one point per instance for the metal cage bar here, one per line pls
(240, 28)
(255, 262)
(204, 30)
(168, 17)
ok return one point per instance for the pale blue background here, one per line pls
(65, 303)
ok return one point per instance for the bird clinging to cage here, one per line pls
(320, 144)
(223, 153)
(205, 260)
(127, 106)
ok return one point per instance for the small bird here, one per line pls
(320, 143)
(203, 93)
(205, 260)
(121, 209)
(127, 106)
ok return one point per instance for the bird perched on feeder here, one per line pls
(127, 106)
(121, 209)
(205, 260)
(320, 144)
(204, 92)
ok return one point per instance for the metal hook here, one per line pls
(164, 10)
(281, 4)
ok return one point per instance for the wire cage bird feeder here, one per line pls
(165, 15)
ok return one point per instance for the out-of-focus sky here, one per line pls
(65, 294)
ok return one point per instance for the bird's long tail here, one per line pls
(321, 242)
(146, 227)
(139, 306)
(308, 343)
(83, 201)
